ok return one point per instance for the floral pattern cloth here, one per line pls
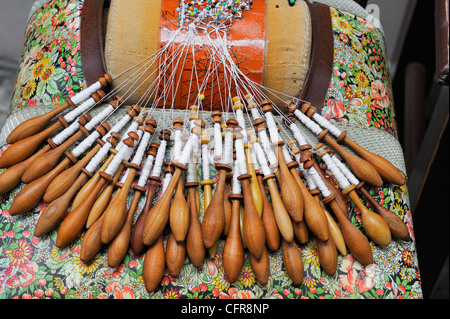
(360, 91)
(32, 267)
(50, 68)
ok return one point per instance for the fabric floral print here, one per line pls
(360, 90)
(50, 67)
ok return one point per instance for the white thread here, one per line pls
(83, 108)
(159, 159)
(178, 144)
(307, 176)
(272, 126)
(124, 176)
(352, 178)
(286, 154)
(99, 156)
(85, 144)
(255, 113)
(262, 159)
(240, 156)
(137, 159)
(99, 117)
(297, 134)
(117, 127)
(254, 159)
(267, 148)
(123, 155)
(316, 129)
(187, 151)
(343, 182)
(319, 182)
(217, 141)
(132, 128)
(237, 186)
(166, 182)
(145, 172)
(66, 133)
(228, 148)
(326, 124)
(83, 95)
(191, 173)
(241, 122)
(205, 162)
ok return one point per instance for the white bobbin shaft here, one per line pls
(272, 127)
(240, 156)
(66, 133)
(316, 129)
(100, 155)
(237, 185)
(99, 117)
(217, 141)
(145, 172)
(273, 160)
(326, 124)
(298, 135)
(228, 148)
(117, 127)
(205, 162)
(132, 128)
(187, 151)
(352, 178)
(123, 154)
(159, 160)
(178, 144)
(86, 93)
(85, 144)
(139, 155)
(261, 159)
(191, 176)
(82, 108)
(342, 180)
(166, 182)
(318, 182)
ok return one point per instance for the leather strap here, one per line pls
(91, 43)
(322, 50)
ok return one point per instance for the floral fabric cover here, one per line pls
(360, 92)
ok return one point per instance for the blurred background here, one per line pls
(421, 107)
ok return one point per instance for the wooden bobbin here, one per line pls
(314, 215)
(253, 227)
(194, 240)
(33, 193)
(75, 221)
(154, 183)
(158, 216)
(273, 214)
(396, 225)
(361, 168)
(233, 251)
(36, 124)
(388, 172)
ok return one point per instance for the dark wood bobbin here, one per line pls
(165, 135)
(149, 129)
(200, 123)
(291, 106)
(106, 80)
(216, 116)
(134, 110)
(152, 122)
(306, 109)
(258, 122)
(133, 135)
